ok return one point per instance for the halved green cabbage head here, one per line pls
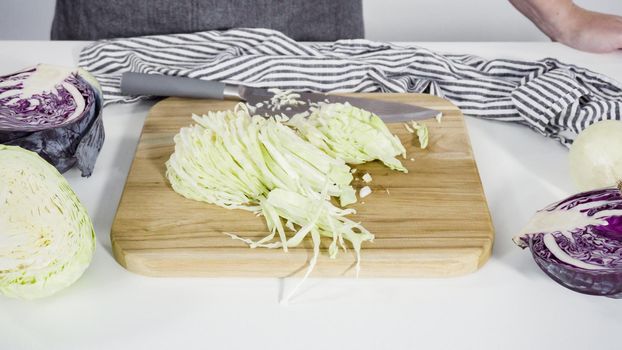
(46, 237)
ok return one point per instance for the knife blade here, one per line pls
(163, 85)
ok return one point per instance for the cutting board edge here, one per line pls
(412, 262)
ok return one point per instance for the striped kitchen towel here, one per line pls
(556, 99)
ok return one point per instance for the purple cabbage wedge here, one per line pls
(578, 242)
(54, 111)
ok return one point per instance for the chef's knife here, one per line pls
(163, 85)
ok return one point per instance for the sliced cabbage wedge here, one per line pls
(46, 237)
(355, 135)
(233, 160)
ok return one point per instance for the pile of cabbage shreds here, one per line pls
(285, 171)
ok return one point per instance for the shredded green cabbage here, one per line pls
(232, 159)
(239, 161)
(422, 134)
(349, 133)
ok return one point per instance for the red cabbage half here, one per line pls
(54, 111)
(578, 242)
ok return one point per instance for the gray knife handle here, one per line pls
(165, 85)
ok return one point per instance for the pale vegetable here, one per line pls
(422, 134)
(349, 133)
(313, 213)
(596, 156)
(236, 161)
(409, 128)
(46, 237)
(283, 98)
(364, 192)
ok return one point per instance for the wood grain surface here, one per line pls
(433, 221)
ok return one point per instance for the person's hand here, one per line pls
(591, 31)
(569, 24)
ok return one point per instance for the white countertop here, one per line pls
(508, 304)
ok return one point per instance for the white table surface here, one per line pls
(508, 304)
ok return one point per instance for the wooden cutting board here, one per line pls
(433, 221)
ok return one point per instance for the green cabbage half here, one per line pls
(46, 237)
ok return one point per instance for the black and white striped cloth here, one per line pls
(554, 98)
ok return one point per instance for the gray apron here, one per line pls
(305, 20)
